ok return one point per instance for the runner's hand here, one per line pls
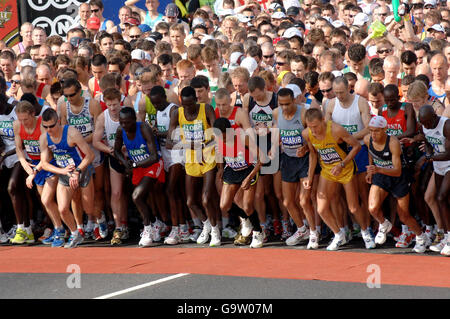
(406, 140)
(246, 183)
(29, 181)
(369, 178)
(422, 147)
(336, 170)
(302, 150)
(68, 169)
(371, 169)
(307, 184)
(73, 180)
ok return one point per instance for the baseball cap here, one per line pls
(299, 24)
(93, 23)
(292, 11)
(155, 35)
(278, 15)
(132, 21)
(139, 54)
(75, 41)
(292, 32)
(145, 27)
(430, 2)
(274, 5)
(250, 64)
(360, 19)
(197, 21)
(338, 23)
(378, 121)
(235, 60)
(295, 89)
(243, 19)
(171, 10)
(28, 62)
(206, 37)
(436, 27)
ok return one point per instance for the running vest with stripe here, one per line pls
(261, 116)
(63, 153)
(31, 141)
(83, 121)
(6, 129)
(291, 132)
(163, 120)
(381, 158)
(330, 152)
(137, 148)
(231, 118)
(437, 139)
(110, 129)
(350, 118)
(196, 130)
(236, 155)
(395, 125)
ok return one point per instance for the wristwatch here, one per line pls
(342, 164)
(428, 157)
(134, 165)
(78, 170)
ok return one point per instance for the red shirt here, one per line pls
(231, 118)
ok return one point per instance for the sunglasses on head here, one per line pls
(49, 126)
(327, 90)
(383, 51)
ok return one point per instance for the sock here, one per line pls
(197, 222)
(365, 233)
(60, 229)
(429, 227)
(346, 228)
(148, 228)
(305, 221)
(404, 229)
(90, 224)
(175, 228)
(119, 228)
(74, 232)
(302, 229)
(80, 227)
(225, 221)
(255, 221)
(20, 226)
(28, 230)
(440, 230)
(31, 222)
(183, 227)
(342, 230)
(124, 223)
(101, 219)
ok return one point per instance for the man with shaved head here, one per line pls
(437, 133)
(439, 69)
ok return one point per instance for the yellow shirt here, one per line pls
(331, 154)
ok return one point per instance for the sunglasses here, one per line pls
(382, 14)
(268, 56)
(280, 63)
(327, 90)
(383, 51)
(428, 7)
(71, 95)
(15, 81)
(95, 10)
(249, 17)
(135, 36)
(49, 126)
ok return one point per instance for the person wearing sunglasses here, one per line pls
(381, 13)
(97, 11)
(326, 87)
(81, 112)
(15, 85)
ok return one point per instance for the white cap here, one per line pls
(250, 64)
(244, 19)
(206, 37)
(28, 62)
(432, 2)
(139, 54)
(328, 19)
(235, 60)
(291, 3)
(436, 27)
(226, 12)
(197, 21)
(338, 23)
(278, 15)
(151, 39)
(337, 73)
(360, 19)
(378, 121)
(295, 89)
(274, 5)
(292, 32)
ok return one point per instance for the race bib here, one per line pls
(82, 124)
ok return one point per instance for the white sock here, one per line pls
(101, 219)
(302, 229)
(148, 227)
(346, 228)
(440, 230)
(305, 221)
(80, 227)
(20, 226)
(74, 232)
(28, 230)
(175, 228)
(404, 229)
(342, 230)
(365, 232)
(429, 227)
(197, 222)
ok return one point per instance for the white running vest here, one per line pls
(437, 139)
(350, 118)
(110, 129)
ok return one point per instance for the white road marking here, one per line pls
(148, 284)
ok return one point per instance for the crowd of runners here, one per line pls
(312, 122)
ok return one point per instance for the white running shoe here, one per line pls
(446, 250)
(383, 230)
(338, 240)
(258, 239)
(439, 246)
(195, 234)
(183, 233)
(173, 238)
(3, 237)
(146, 237)
(12, 232)
(298, 237)
(204, 235)
(422, 242)
(246, 226)
(156, 235)
(313, 242)
(228, 232)
(215, 236)
(368, 239)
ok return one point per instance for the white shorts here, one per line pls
(172, 157)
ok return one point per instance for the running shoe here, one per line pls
(204, 235)
(405, 240)
(257, 240)
(313, 242)
(368, 241)
(356, 232)
(215, 237)
(103, 229)
(196, 231)
(277, 229)
(183, 233)
(298, 237)
(30, 238)
(242, 240)
(75, 240)
(383, 230)
(12, 232)
(174, 237)
(348, 235)
(164, 229)
(228, 232)
(338, 241)
(156, 227)
(89, 230)
(446, 250)
(395, 232)
(3, 237)
(266, 232)
(117, 238)
(96, 233)
(286, 233)
(125, 233)
(246, 226)
(429, 232)
(58, 239)
(20, 238)
(437, 247)
(422, 242)
(48, 232)
(146, 237)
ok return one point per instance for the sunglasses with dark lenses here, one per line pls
(280, 63)
(268, 56)
(327, 90)
(249, 17)
(49, 126)
(417, 6)
(428, 6)
(71, 95)
(384, 51)
(15, 81)
(382, 14)
(134, 36)
(95, 10)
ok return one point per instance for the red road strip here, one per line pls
(263, 263)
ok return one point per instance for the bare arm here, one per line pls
(74, 138)
(410, 122)
(19, 149)
(329, 111)
(312, 157)
(341, 133)
(98, 136)
(364, 109)
(142, 111)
